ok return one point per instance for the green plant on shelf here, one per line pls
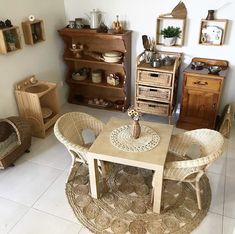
(10, 37)
(171, 31)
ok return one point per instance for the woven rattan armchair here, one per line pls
(69, 130)
(180, 167)
(15, 139)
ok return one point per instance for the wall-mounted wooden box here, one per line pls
(10, 40)
(212, 32)
(33, 31)
(164, 22)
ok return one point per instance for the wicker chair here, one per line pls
(180, 167)
(69, 131)
(15, 139)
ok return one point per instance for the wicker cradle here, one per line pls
(15, 139)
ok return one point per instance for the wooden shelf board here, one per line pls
(90, 83)
(148, 67)
(91, 61)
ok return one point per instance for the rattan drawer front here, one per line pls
(153, 93)
(203, 83)
(153, 108)
(155, 78)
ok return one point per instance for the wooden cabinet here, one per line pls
(94, 45)
(201, 95)
(38, 102)
(156, 88)
(10, 40)
(33, 31)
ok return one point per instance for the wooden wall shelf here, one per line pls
(14, 33)
(163, 22)
(212, 32)
(33, 32)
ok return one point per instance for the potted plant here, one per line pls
(170, 35)
(11, 40)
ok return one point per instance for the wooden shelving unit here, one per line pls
(156, 88)
(33, 32)
(5, 47)
(82, 92)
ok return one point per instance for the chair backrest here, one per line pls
(210, 142)
(71, 126)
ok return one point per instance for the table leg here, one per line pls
(94, 177)
(157, 190)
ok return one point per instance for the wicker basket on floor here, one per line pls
(15, 139)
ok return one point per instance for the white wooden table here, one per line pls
(102, 149)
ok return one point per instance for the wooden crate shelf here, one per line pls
(33, 32)
(5, 46)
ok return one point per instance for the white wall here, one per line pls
(43, 59)
(141, 18)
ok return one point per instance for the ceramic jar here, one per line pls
(96, 76)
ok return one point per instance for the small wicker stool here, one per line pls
(15, 139)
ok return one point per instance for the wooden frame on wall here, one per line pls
(212, 32)
(34, 31)
(163, 22)
(5, 45)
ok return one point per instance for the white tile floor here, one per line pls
(33, 201)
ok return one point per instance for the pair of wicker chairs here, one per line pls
(69, 131)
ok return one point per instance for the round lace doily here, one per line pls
(123, 140)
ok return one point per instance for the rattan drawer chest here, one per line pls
(156, 88)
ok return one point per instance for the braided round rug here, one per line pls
(127, 208)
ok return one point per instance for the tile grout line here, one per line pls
(18, 221)
(226, 160)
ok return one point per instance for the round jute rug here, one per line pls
(127, 208)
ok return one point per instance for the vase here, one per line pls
(170, 41)
(210, 15)
(136, 130)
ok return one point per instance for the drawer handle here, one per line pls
(151, 105)
(201, 83)
(154, 75)
(153, 90)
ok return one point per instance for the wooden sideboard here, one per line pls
(117, 97)
(201, 95)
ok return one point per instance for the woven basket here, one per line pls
(153, 107)
(15, 139)
(153, 93)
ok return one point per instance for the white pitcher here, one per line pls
(95, 18)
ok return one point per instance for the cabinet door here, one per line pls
(199, 107)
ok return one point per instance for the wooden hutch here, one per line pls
(94, 46)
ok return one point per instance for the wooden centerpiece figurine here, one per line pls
(135, 115)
